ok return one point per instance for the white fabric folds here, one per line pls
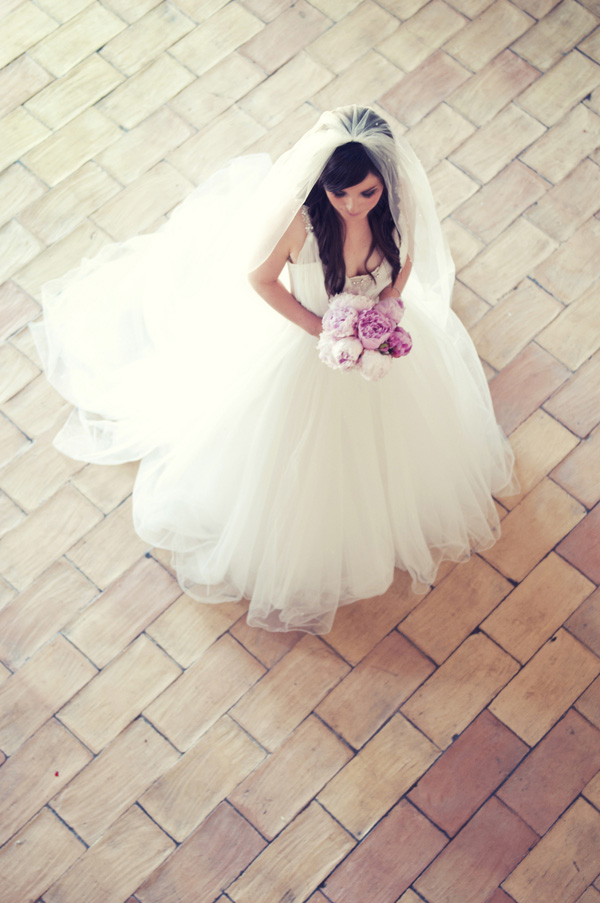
(267, 474)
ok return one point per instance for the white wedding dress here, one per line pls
(269, 475)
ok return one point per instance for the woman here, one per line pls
(268, 474)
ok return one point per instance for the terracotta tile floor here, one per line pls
(437, 749)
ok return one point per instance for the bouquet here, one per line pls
(363, 334)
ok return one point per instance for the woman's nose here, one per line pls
(349, 205)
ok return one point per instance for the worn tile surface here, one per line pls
(441, 748)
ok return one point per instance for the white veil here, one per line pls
(290, 180)
(135, 336)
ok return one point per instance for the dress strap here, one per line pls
(306, 218)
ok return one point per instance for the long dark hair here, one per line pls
(349, 165)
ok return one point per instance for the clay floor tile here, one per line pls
(533, 528)
(454, 608)
(16, 309)
(144, 93)
(546, 687)
(592, 793)
(353, 36)
(573, 336)
(277, 704)
(424, 88)
(468, 772)
(511, 324)
(28, 621)
(475, 672)
(19, 81)
(267, 646)
(562, 147)
(388, 860)
(565, 861)
(197, 782)
(539, 444)
(222, 675)
(537, 607)
(106, 487)
(48, 843)
(114, 780)
(569, 204)
(12, 442)
(491, 148)
(111, 869)
(479, 858)
(209, 860)
(36, 772)
(584, 623)
(493, 87)
(120, 614)
(384, 769)
(374, 689)
(561, 88)
(144, 40)
(558, 32)
(501, 201)
(577, 404)
(582, 546)
(507, 260)
(529, 379)
(468, 306)
(589, 703)
(591, 895)
(38, 689)
(273, 794)
(359, 627)
(489, 34)
(554, 773)
(35, 544)
(119, 693)
(285, 36)
(187, 628)
(440, 132)
(579, 473)
(500, 896)
(311, 846)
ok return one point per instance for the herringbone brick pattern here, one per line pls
(442, 749)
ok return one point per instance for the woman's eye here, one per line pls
(338, 194)
(368, 194)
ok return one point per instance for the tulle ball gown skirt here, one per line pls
(267, 474)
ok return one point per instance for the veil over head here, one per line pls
(290, 180)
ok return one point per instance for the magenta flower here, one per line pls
(399, 342)
(374, 328)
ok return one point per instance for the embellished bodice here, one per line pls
(308, 281)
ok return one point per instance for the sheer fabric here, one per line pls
(267, 474)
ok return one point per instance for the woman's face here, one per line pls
(354, 203)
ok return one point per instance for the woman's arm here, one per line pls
(265, 280)
(397, 288)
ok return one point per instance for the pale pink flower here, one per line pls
(374, 365)
(374, 328)
(391, 307)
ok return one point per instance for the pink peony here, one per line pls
(349, 299)
(340, 322)
(374, 328)
(374, 365)
(346, 353)
(391, 307)
(399, 343)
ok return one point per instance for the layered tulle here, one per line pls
(267, 474)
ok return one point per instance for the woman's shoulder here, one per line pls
(297, 231)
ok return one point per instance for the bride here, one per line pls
(269, 475)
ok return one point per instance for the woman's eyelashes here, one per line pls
(364, 194)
